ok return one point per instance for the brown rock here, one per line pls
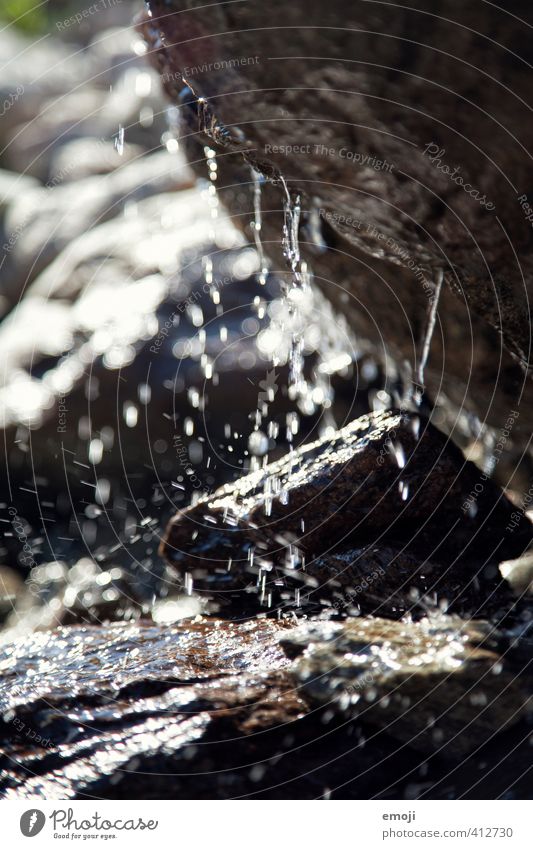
(384, 477)
(217, 709)
(409, 153)
(118, 703)
(441, 684)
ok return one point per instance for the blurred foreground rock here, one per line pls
(57, 93)
(215, 708)
(436, 684)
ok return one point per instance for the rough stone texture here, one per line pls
(393, 580)
(210, 708)
(436, 684)
(384, 477)
(114, 704)
(382, 82)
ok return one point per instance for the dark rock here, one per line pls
(217, 709)
(441, 684)
(383, 477)
(351, 110)
(383, 580)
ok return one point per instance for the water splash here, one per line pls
(211, 191)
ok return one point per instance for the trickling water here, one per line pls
(298, 325)
(403, 487)
(298, 287)
(419, 386)
(212, 165)
(258, 442)
(212, 194)
(257, 224)
(290, 242)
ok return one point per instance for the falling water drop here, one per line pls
(403, 487)
(258, 443)
(212, 194)
(119, 140)
(130, 413)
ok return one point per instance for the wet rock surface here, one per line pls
(255, 709)
(384, 477)
(439, 684)
(297, 642)
(409, 154)
(178, 688)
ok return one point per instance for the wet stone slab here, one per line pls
(441, 684)
(86, 661)
(212, 708)
(86, 709)
(388, 482)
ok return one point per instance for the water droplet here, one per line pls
(258, 443)
(119, 140)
